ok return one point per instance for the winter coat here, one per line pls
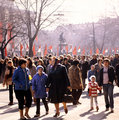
(90, 73)
(39, 85)
(111, 75)
(93, 87)
(21, 79)
(32, 70)
(57, 82)
(8, 76)
(117, 74)
(75, 77)
(84, 66)
(97, 72)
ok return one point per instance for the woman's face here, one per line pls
(53, 61)
(23, 65)
(9, 64)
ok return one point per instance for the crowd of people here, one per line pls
(48, 78)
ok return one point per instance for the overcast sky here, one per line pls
(80, 11)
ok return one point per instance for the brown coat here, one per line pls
(8, 78)
(75, 77)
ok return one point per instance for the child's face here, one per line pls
(93, 79)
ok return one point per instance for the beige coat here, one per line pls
(75, 77)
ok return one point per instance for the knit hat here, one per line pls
(38, 67)
(92, 76)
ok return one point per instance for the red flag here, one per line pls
(5, 51)
(36, 38)
(79, 49)
(90, 51)
(45, 51)
(83, 52)
(39, 50)
(97, 51)
(1, 32)
(50, 47)
(115, 50)
(21, 47)
(57, 50)
(34, 51)
(104, 52)
(74, 51)
(66, 49)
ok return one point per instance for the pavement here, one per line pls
(77, 112)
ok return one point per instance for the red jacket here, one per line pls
(93, 87)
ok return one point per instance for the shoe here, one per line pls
(66, 111)
(37, 115)
(27, 116)
(112, 111)
(97, 108)
(107, 109)
(78, 102)
(47, 112)
(11, 103)
(91, 109)
(23, 118)
(56, 115)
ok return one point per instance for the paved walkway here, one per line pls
(79, 112)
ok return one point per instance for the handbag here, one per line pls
(68, 98)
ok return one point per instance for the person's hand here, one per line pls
(33, 92)
(7, 72)
(47, 89)
(100, 87)
(110, 82)
(69, 87)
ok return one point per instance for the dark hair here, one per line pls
(65, 58)
(16, 63)
(75, 62)
(30, 62)
(22, 61)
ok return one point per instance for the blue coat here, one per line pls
(21, 80)
(90, 73)
(39, 85)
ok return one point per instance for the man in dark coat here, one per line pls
(115, 61)
(107, 76)
(117, 74)
(94, 60)
(84, 66)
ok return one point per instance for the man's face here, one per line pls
(50, 62)
(106, 63)
(116, 56)
(82, 57)
(23, 65)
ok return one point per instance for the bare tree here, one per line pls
(36, 15)
(10, 27)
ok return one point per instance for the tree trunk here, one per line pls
(2, 53)
(30, 48)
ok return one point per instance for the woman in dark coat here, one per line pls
(58, 83)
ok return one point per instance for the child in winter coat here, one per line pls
(93, 87)
(38, 85)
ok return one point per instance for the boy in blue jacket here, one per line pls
(39, 89)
